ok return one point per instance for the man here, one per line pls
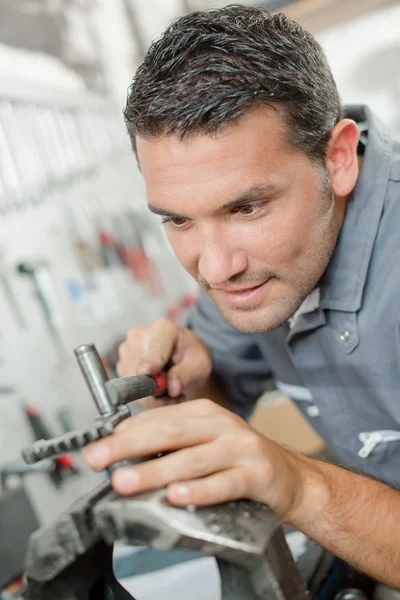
(289, 223)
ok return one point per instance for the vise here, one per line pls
(72, 557)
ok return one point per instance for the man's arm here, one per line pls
(219, 457)
(356, 518)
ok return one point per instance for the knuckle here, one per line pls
(174, 429)
(201, 464)
(246, 481)
(250, 442)
(204, 405)
(157, 352)
(163, 323)
(134, 335)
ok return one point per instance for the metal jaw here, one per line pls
(71, 559)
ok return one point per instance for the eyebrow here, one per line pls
(254, 193)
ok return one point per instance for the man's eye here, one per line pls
(249, 210)
(246, 209)
(174, 222)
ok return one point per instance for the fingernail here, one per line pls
(126, 480)
(174, 387)
(97, 455)
(179, 493)
(143, 370)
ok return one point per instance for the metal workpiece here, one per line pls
(95, 376)
(128, 389)
(73, 440)
(68, 442)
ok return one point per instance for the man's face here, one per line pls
(251, 218)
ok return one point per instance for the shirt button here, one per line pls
(313, 411)
(344, 335)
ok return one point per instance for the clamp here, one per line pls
(71, 558)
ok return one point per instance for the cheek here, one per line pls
(275, 240)
(184, 248)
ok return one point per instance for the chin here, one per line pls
(259, 319)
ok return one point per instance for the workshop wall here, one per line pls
(73, 215)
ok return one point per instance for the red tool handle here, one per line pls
(162, 384)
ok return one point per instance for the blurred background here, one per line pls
(81, 259)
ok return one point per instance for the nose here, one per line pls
(220, 256)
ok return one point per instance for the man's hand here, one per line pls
(213, 457)
(147, 350)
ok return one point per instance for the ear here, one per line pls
(342, 161)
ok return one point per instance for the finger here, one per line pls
(158, 473)
(151, 402)
(147, 349)
(167, 428)
(217, 488)
(157, 346)
(193, 363)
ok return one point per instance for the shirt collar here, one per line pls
(342, 284)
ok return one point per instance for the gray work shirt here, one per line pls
(338, 358)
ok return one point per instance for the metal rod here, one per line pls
(96, 376)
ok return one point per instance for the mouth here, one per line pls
(243, 298)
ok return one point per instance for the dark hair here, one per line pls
(211, 67)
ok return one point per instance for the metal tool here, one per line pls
(10, 295)
(12, 299)
(20, 468)
(110, 397)
(71, 558)
(10, 184)
(44, 291)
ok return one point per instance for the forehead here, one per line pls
(203, 166)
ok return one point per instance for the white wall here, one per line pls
(364, 56)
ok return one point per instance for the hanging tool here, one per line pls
(71, 558)
(44, 291)
(10, 295)
(19, 468)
